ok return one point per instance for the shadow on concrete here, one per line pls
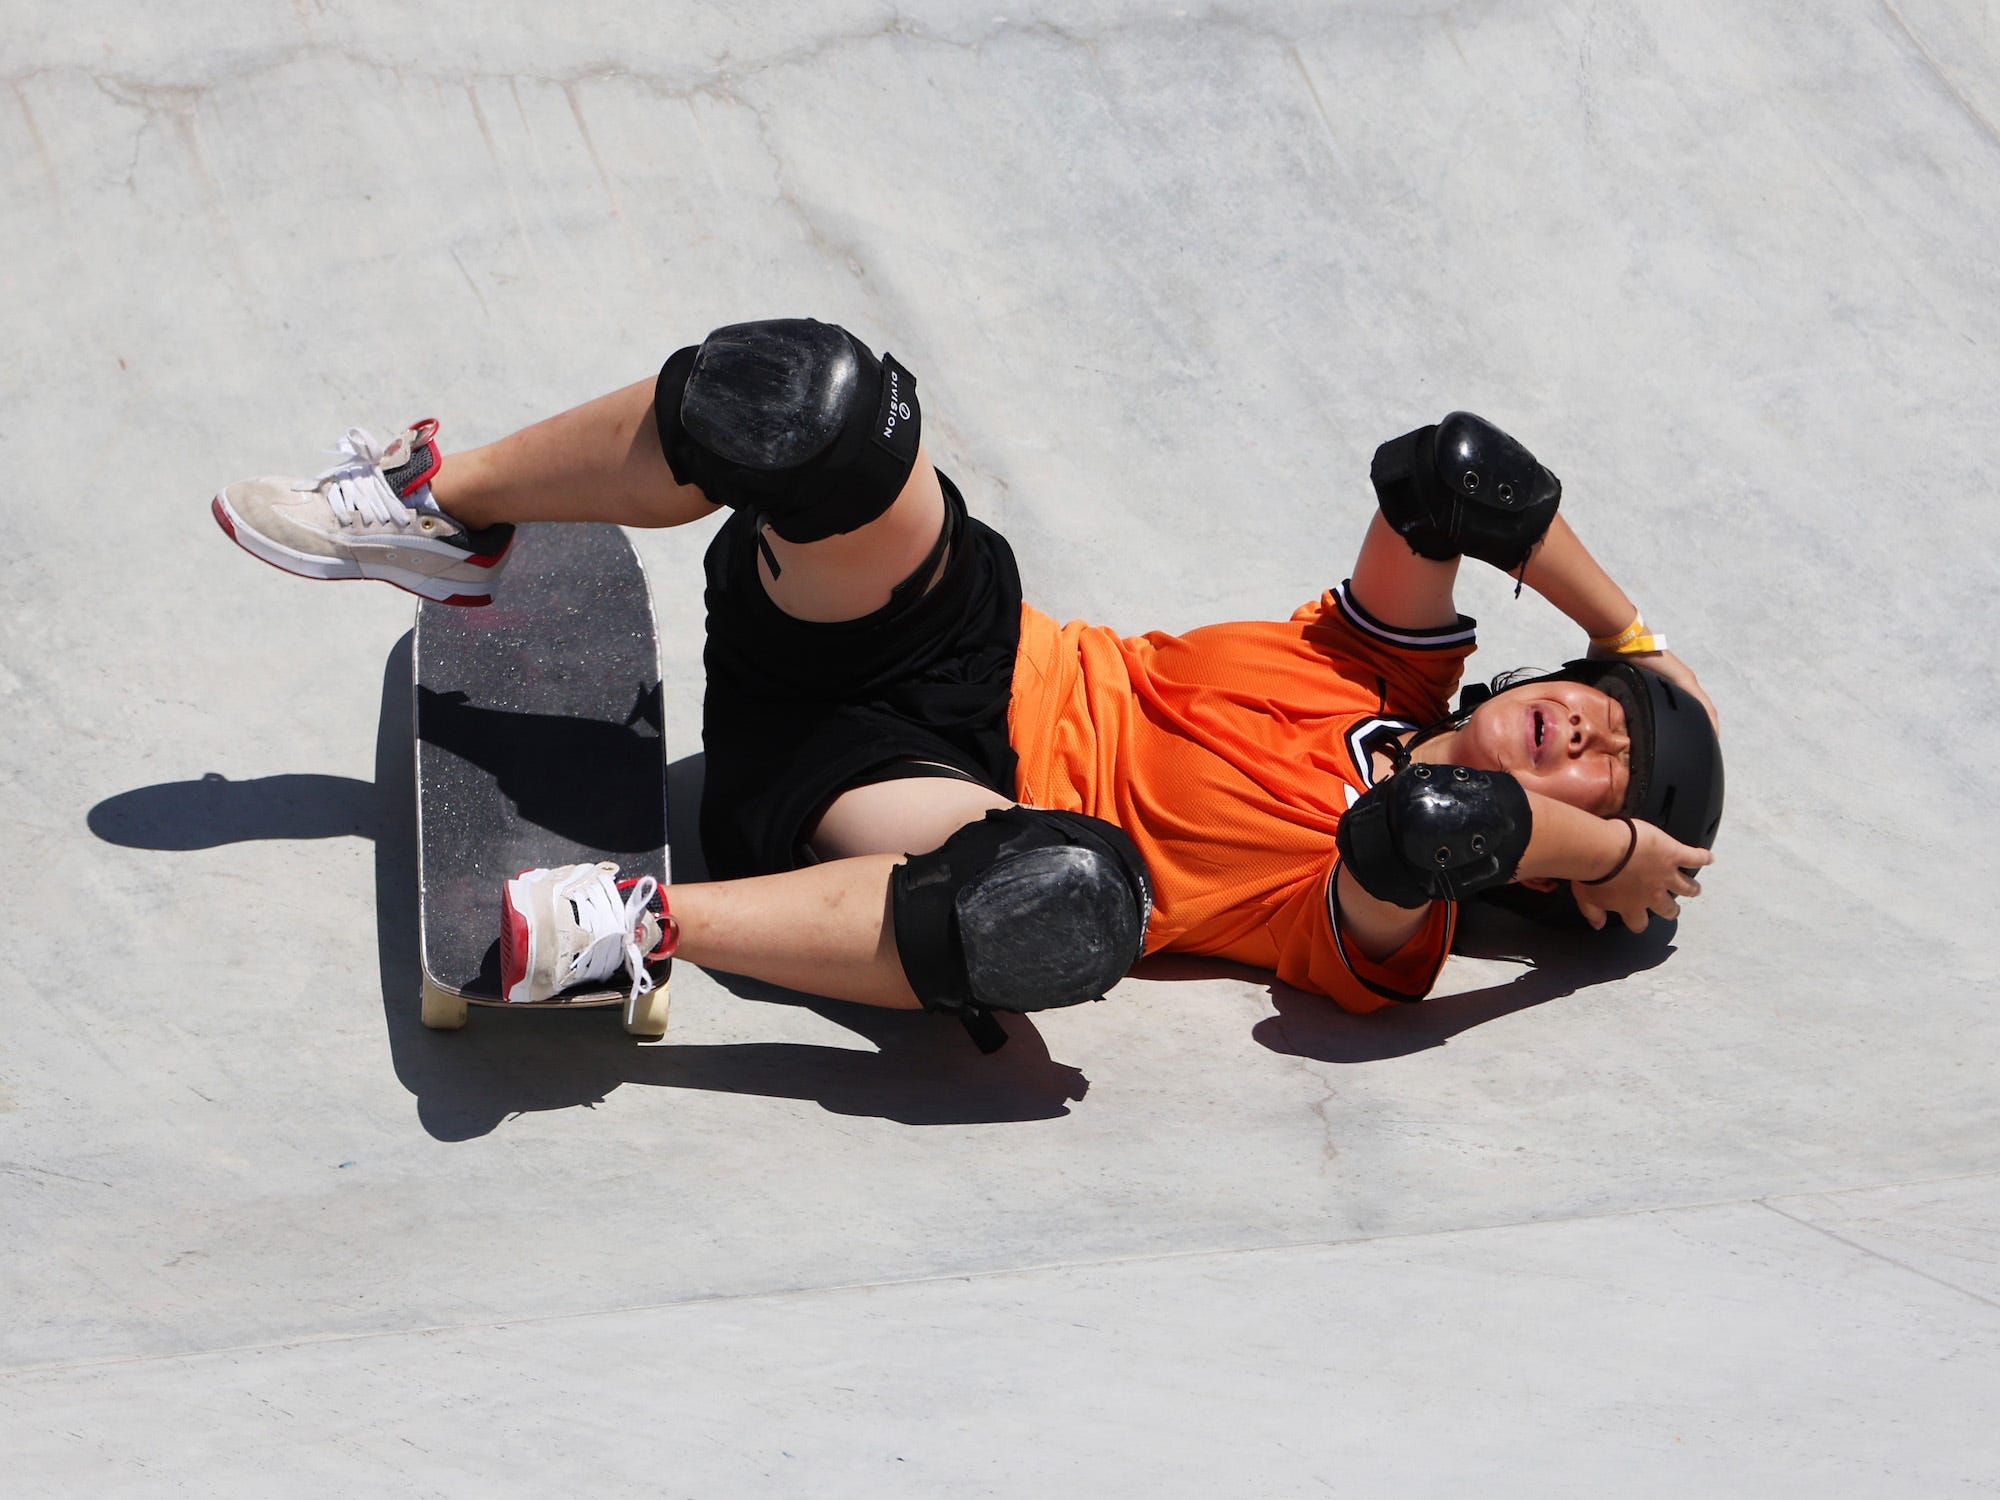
(922, 1071)
(1556, 962)
(213, 810)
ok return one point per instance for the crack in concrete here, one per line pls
(840, 251)
(177, 105)
(506, 177)
(1869, 1250)
(1972, 111)
(42, 152)
(175, 109)
(575, 101)
(726, 69)
(995, 1273)
(1306, 1067)
(22, 1169)
(1319, 104)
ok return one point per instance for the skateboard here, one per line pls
(539, 741)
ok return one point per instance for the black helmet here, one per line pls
(1676, 780)
(1676, 771)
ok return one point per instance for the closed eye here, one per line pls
(1618, 778)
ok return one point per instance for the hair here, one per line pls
(1514, 677)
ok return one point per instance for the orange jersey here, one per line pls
(1228, 756)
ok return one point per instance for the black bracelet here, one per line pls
(1624, 860)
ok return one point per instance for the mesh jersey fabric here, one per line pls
(1228, 755)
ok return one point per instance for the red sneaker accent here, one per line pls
(513, 942)
(423, 432)
(222, 518)
(670, 930)
(494, 561)
(670, 935)
(468, 601)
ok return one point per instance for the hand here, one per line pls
(1651, 884)
(1671, 667)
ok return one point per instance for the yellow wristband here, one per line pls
(1631, 641)
(1616, 641)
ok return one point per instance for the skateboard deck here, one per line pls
(539, 741)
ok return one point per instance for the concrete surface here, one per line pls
(1714, 1210)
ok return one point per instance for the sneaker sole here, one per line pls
(517, 948)
(330, 570)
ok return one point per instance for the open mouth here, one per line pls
(1538, 733)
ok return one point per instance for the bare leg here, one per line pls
(825, 929)
(597, 462)
(845, 577)
(602, 462)
(900, 817)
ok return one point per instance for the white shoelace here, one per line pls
(356, 485)
(613, 925)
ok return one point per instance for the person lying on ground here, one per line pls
(922, 791)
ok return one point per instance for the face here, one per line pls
(1561, 739)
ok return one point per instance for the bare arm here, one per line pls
(1567, 843)
(1396, 585)
(1400, 588)
(1563, 572)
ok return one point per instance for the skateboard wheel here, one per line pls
(442, 1010)
(647, 1015)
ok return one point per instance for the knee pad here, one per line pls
(1024, 910)
(1465, 487)
(1435, 833)
(793, 420)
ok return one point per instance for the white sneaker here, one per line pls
(369, 516)
(579, 923)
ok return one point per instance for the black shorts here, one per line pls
(797, 712)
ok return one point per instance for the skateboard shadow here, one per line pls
(212, 810)
(533, 759)
(922, 1071)
(913, 1077)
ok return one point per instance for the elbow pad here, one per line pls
(1433, 833)
(1465, 487)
